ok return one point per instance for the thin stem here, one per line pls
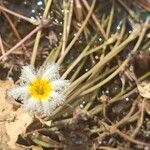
(34, 22)
(129, 11)
(64, 38)
(130, 139)
(23, 40)
(73, 77)
(70, 16)
(140, 120)
(53, 55)
(116, 50)
(96, 21)
(110, 19)
(78, 10)
(2, 47)
(79, 58)
(106, 80)
(77, 34)
(111, 40)
(14, 29)
(125, 119)
(38, 35)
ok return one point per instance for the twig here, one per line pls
(34, 22)
(110, 18)
(77, 34)
(75, 74)
(38, 35)
(14, 29)
(113, 130)
(2, 48)
(130, 139)
(70, 16)
(78, 10)
(65, 35)
(24, 39)
(140, 120)
(79, 58)
(107, 79)
(95, 20)
(125, 119)
(131, 90)
(106, 148)
(111, 40)
(129, 11)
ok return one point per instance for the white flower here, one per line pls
(40, 91)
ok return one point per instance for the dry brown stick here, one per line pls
(106, 148)
(113, 130)
(6, 44)
(140, 120)
(130, 139)
(39, 33)
(129, 11)
(95, 20)
(127, 117)
(60, 60)
(2, 47)
(78, 10)
(28, 44)
(35, 22)
(14, 29)
(25, 38)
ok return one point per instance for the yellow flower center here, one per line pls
(40, 89)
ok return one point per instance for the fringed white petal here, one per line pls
(60, 85)
(18, 92)
(57, 98)
(27, 74)
(32, 105)
(48, 107)
(50, 72)
(54, 100)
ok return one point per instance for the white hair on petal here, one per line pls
(27, 74)
(55, 100)
(32, 105)
(18, 92)
(50, 72)
(48, 107)
(60, 84)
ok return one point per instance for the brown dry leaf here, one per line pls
(18, 126)
(37, 148)
(13, 122)
(144, 89)
(147, 106)
(5, 106)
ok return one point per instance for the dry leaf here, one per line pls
(37, 148)
(18, 126)
(5, 106)
(147, 106)
(13, 122)
(144, 89)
